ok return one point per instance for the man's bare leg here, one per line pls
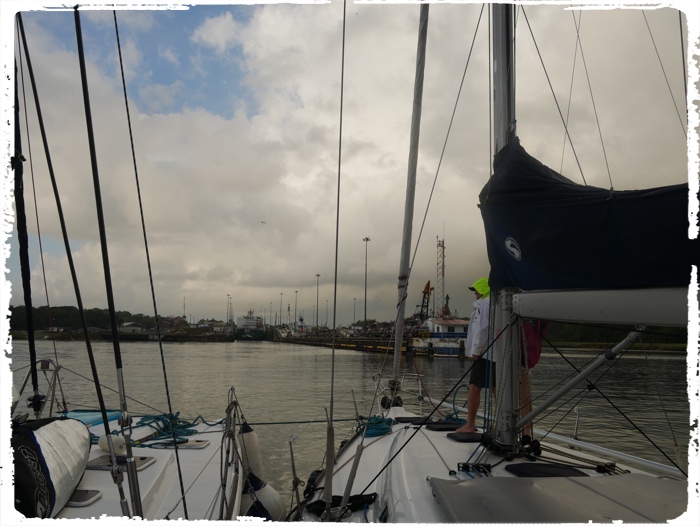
(473, 402)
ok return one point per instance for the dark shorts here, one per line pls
(479, 377)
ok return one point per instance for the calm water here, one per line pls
(284, 391)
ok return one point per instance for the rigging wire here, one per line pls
(593, 386)
(491, 152)
(444, 147)
(148, 262)
(36, 207)
(406, 260)
(663, 407)
(683, 64)
(561, 116)
(408, 218)
(337, 207)
(571, 87)
(447, 136)
(420, 233)
(663, 70)
(454, 111)
(419, 427)
(330, 433)
(36, 400)
(116, 473)
(583, 393)
(125, 420)
(420, 379)
(405, 290)
(579, 45)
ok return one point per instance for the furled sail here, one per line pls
(545, 232)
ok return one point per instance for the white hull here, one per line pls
(440, 347)
(218, 484)
(424, 485)
(662, 306)
(159, 483)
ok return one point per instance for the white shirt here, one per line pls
(478, 333)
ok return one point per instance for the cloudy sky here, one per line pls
(235, 111)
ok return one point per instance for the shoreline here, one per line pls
(360, 344)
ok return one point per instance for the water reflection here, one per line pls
(281, 385)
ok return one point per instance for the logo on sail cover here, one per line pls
(513, 248)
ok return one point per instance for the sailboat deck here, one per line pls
(158, 479)
(626, 497)
(424, 483)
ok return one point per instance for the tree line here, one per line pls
(68, 317)
(559, 333)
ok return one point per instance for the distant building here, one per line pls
(131, 327)
(448, 325)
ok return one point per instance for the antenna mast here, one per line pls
(440, 285)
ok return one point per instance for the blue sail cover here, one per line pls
(545, 232)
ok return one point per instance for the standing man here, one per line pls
(477, 343)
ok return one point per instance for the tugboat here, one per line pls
(250, 327)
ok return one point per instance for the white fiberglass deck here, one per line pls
(158, 481)
(424, 485)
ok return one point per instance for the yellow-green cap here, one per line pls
(481, 286)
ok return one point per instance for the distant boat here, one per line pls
(250, 327)
(446, 336)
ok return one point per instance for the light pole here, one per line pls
(354, 302)
(228, 306)
(316, 322)
(326, 323)
(366, 240)
(295, 310)
(280, 309)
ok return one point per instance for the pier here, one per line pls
(354, 343)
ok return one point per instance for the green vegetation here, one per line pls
(558, 334)
(592, 337)
(68, 318)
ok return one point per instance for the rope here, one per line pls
(376, 426)
(164, 426)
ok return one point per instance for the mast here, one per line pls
(503, 75)
(440, 281)
(404, 269)
(505, 353)
(125, 419)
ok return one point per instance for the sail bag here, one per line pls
(545, 232)
(50, 456)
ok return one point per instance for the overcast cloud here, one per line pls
(235, 114)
